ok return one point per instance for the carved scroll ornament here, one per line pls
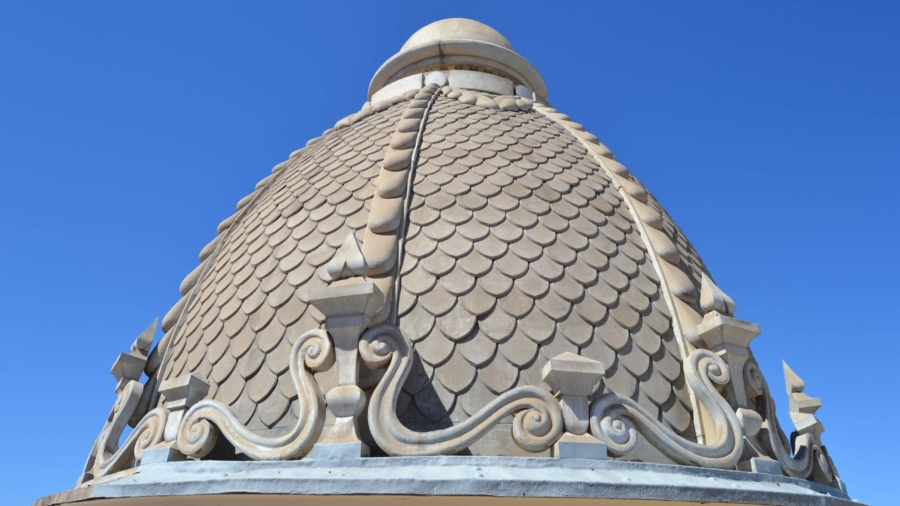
(202, 423)
(809, 458)
(112, 457)
(616, 420)
(538, 421)
(107, 455)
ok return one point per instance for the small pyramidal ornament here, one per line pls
(801, 406)
(712, 298)
(348, 261)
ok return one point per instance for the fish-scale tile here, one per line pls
(498, 375)
(457, 324)
(435, 348)
(646, 339)
(620, 380)
(419, 281)
(457, 374)
(458, 282)
(475, 398)
(519, 350)
(435, 405)
(632, 358)
(554, 306)
(538, 327)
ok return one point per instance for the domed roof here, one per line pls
(518, 248)
(457, 268)
(456, 29)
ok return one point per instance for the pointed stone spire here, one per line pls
(801, 406)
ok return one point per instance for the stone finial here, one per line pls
(129, 366)
(573, 379)
(348, 261)
(802, 407)
(145, 340)
(712, 298)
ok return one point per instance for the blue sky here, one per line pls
(768, 130)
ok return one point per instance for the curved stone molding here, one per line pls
(112, 457)
(385, 231)
(198, 432)
(538, 421)
(500, 102)
(616, 420)
(809, 458)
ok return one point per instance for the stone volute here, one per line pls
(455, 291)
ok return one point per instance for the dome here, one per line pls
(456, 271)
(456, 29)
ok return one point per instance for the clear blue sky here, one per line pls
(129, 130)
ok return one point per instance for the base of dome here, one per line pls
(440, 480)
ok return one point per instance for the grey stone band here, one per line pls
(467, 476)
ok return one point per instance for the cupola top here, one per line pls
(459, 44)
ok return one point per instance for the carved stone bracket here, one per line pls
(803, 456)
(204, 421)
(106, 455)
(111, 457)
(538, 421)
(616, 420)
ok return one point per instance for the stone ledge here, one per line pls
(461, 476)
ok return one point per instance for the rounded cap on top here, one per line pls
(456, 29)
(461, 44)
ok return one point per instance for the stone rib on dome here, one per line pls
(510, 288)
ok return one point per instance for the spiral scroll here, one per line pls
(616, 420)
(113, 457)
(809, 459)
(538, 421)
(201, 425)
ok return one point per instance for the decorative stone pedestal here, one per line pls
(573, 379)
(180, 393)
(348, 310)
